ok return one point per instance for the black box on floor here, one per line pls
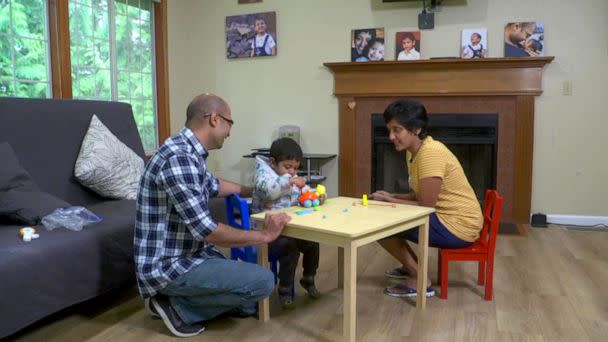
(539, 220)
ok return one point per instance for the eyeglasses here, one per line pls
(229, 121)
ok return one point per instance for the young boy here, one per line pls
(262, 43)
(475, 49)
(276, 185)
(409, 48)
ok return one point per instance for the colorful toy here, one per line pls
(365, 200)
(321, 189)
(309, 199)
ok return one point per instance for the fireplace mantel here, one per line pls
(506, 86)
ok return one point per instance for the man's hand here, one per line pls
(383, 196)
(298, 181)
(273, 225)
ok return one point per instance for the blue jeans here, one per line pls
(218, 286)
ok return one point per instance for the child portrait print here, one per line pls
(251, 35)
(525, 39)
(367, 45)
(407, 46)
(474, 43)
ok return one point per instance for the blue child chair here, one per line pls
(237, 210)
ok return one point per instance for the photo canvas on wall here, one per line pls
(474, 43)
(525, 39)
(251, 35)
(407, 45)
(367, 45)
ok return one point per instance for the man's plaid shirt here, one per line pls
(173, 216)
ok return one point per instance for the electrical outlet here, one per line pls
(567, 88)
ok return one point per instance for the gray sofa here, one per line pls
(63, 267)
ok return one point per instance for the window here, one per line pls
(24, 49)
(112, 57)
(89, 49)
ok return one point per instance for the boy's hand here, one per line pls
(383, 196)
(298, 181)
(273, 225)
(322, 198)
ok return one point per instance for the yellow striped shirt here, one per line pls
(457, 207)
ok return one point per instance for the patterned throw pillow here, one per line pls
(106, 165)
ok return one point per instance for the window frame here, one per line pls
(61, 66)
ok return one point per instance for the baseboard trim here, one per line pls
(578, 220)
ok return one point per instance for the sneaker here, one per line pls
(287, 301)
(309, 285)
(149, 308)
(402, 290)
(397, 273)
(172, 320)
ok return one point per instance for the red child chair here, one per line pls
(482, 250)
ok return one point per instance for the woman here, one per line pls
(436, 180)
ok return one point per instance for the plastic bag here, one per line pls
(72, 218)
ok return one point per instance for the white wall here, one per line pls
(570, 161)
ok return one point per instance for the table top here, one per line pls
(346, 216)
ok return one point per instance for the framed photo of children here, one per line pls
(525, 39)
(407, 45)
(249, 1)
(367, 45)
(251, 35)
(474, 43)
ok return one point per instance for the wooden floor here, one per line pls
(549, 286)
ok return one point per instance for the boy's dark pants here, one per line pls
(287, 250)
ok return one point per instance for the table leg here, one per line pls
(423, 255)
(340, 267)
(350, 293)
(264, 304)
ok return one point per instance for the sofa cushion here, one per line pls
(20, 199)
(12, 175)
(28, 207)
(106, 165)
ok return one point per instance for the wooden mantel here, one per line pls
(506, 86)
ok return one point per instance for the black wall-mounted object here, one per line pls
(426, 20)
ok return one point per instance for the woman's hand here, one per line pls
(383, 196)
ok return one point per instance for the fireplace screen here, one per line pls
(471, 137)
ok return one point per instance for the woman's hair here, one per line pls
(410, 114)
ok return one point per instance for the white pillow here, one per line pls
(106, 165)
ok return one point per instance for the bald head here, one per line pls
(204, 105)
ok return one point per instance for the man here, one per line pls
(515, 35)
(181, 275)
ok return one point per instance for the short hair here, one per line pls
(476, 34)
(203, 105)
(410, 114)
(259, 19)
(408, 35)
(285, 149)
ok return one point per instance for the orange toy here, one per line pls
(309, 199)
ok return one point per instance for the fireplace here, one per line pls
(473, 139)
(504, 88)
